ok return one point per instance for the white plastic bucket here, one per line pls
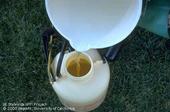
(94, 23)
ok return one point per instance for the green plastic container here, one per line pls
(155, 17)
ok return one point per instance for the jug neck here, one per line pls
(87, 76)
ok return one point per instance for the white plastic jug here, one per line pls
(94, 23)
(83, 93)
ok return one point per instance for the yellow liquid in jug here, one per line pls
(79, 65)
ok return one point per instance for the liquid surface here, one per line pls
(79, 66)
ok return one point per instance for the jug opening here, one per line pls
(78, 64)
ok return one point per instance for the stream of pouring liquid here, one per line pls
(77, 62)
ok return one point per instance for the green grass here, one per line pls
(140, 75)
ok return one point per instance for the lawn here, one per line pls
(140, 75)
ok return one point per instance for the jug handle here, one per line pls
(47, 36)
(61, 59)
